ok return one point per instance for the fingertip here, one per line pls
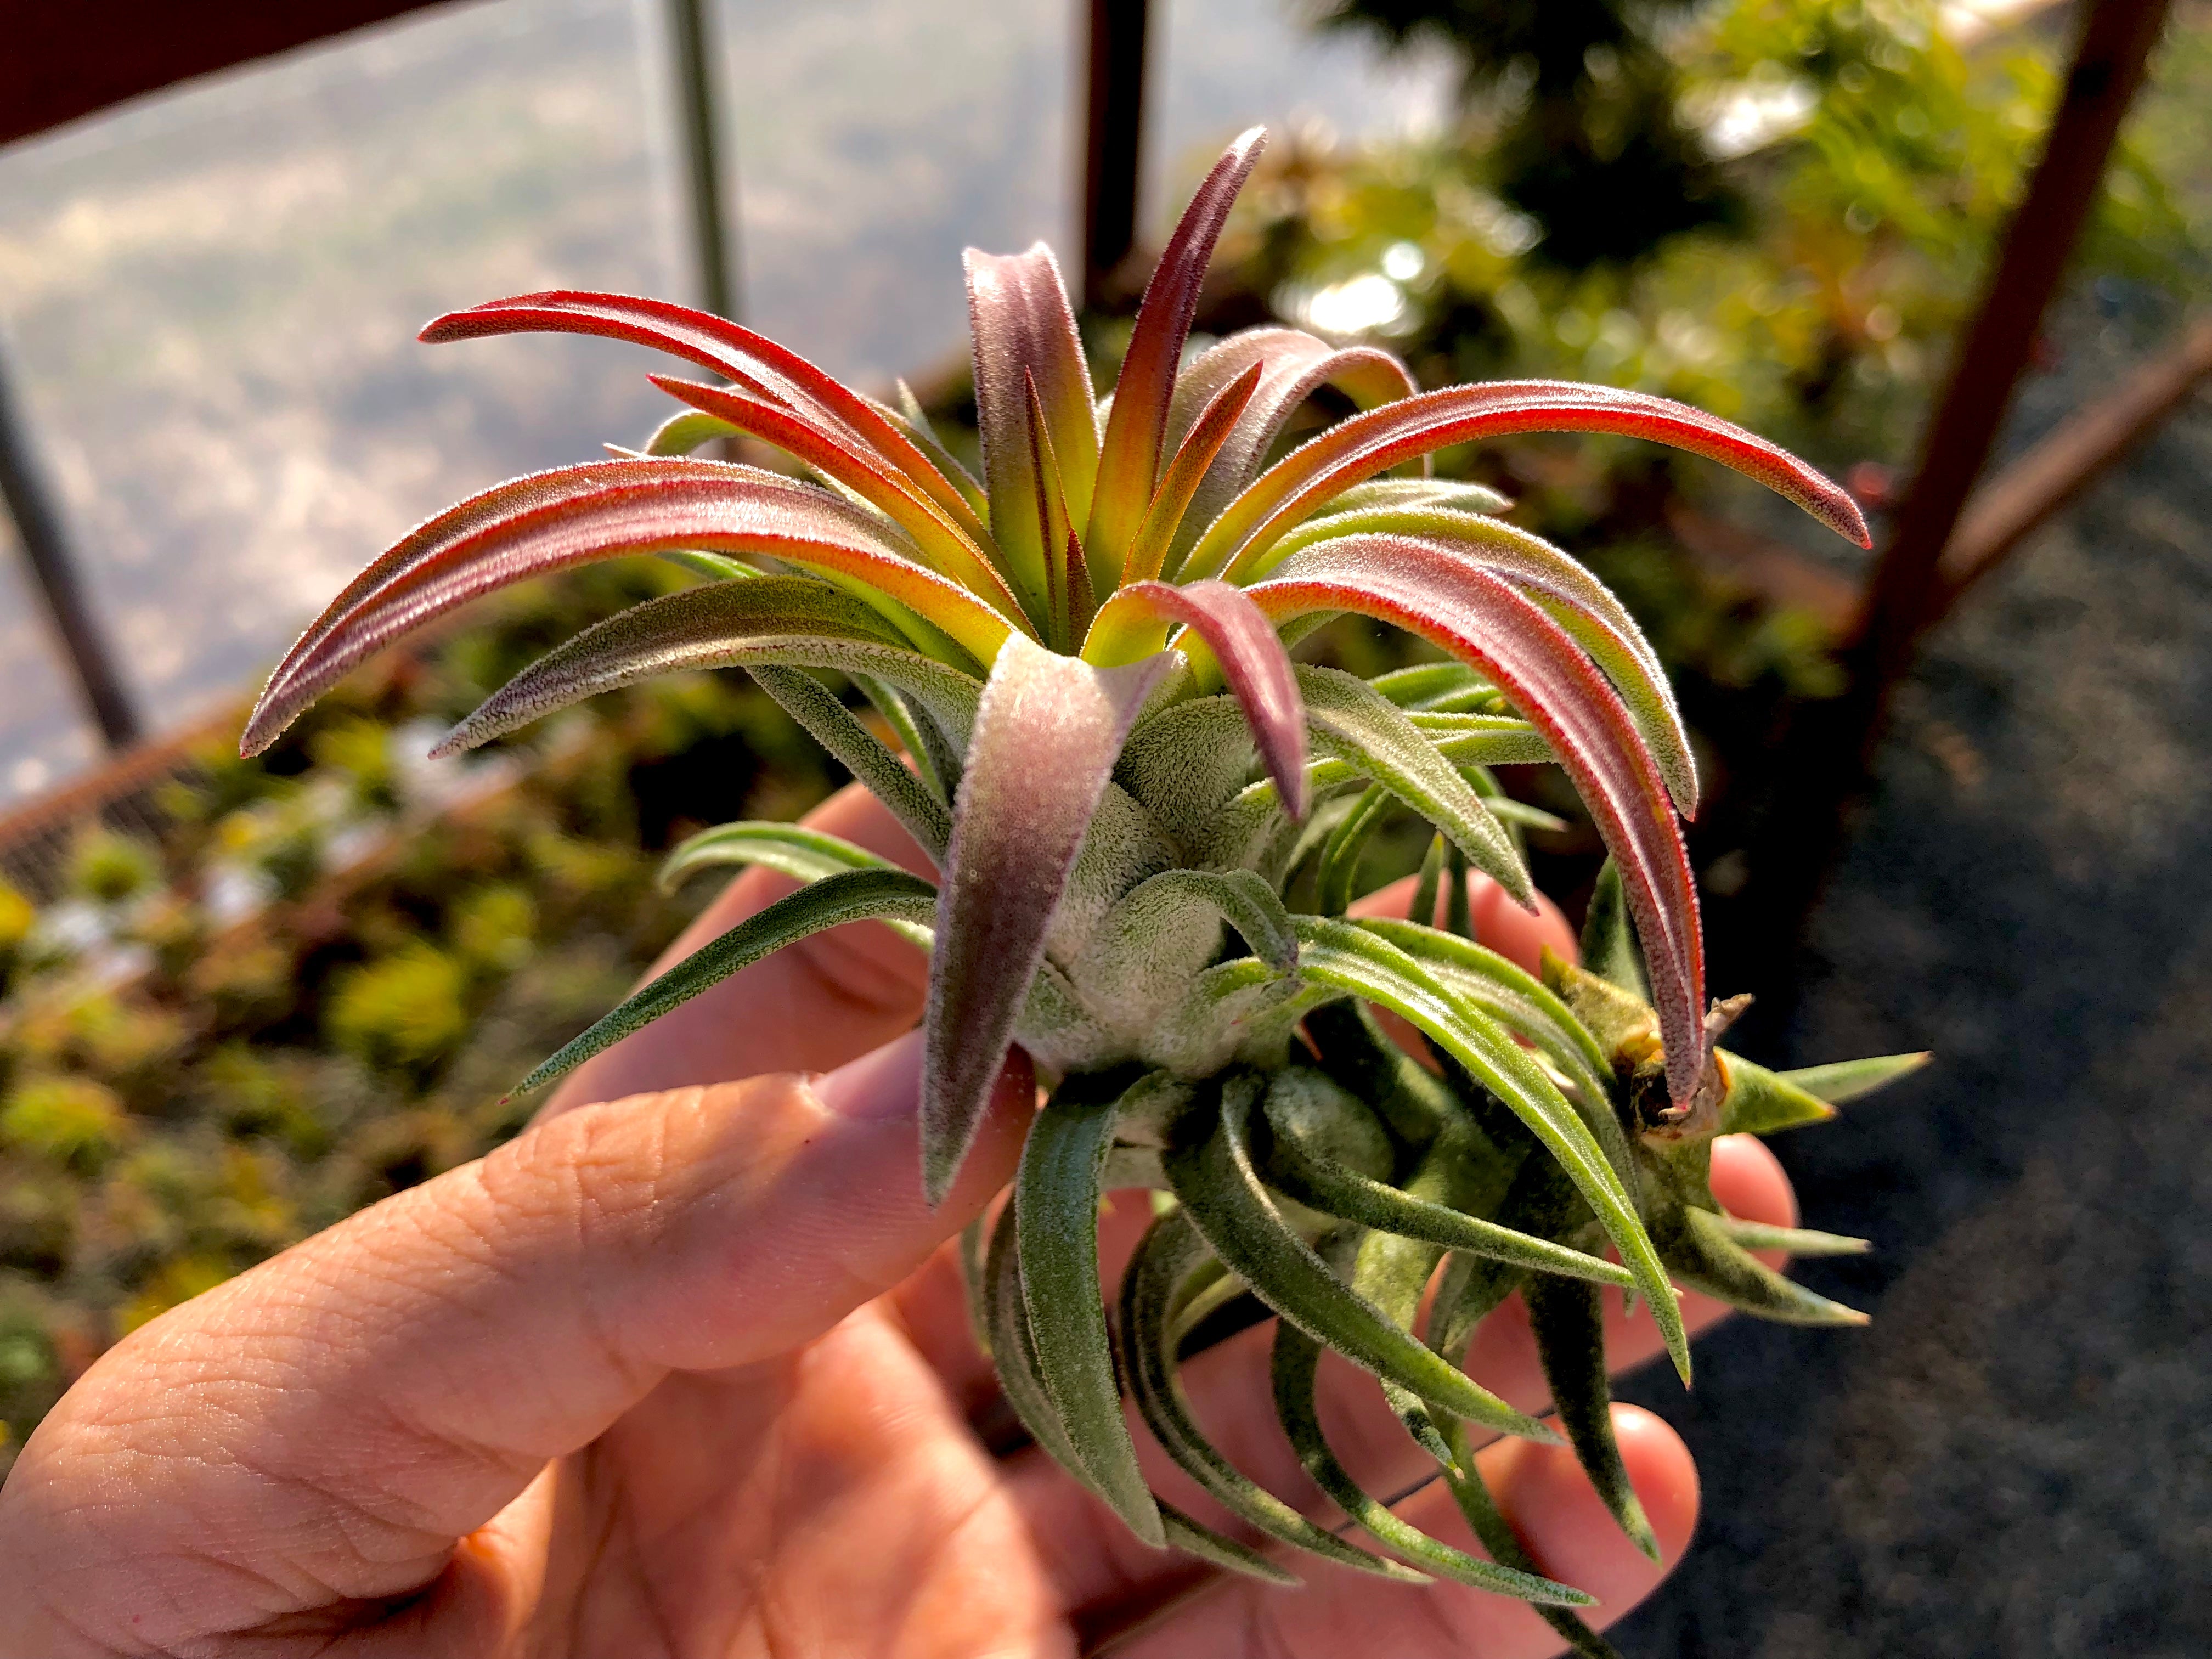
(1750, 1182)
(1519, 935)
(1565, 1526)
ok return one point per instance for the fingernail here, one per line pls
(883, 1083)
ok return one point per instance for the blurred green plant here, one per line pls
(327, 984)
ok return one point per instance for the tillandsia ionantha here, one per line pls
(1117, 767)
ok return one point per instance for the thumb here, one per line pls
(324, 1426)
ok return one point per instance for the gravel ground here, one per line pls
(2016, 1459)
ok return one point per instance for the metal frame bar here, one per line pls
(692, 44)
(1113, 146)
(38, 525)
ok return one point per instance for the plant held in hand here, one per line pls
(1117, 769)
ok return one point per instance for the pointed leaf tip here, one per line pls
(1129, 450)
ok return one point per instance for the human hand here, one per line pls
(688, 1373)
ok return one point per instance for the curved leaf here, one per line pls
(942, 545)
(1022, 329)
(1222, 1192)
(1355, 450)
(1574, 598)
(1323, 1184)
(1455, 493)
(1337, 874)
(768, 619)
(1193, 454)
(1134, 622)
(1700, 1253)
(1294, 1371)
(1363, 728)
(790, 850)
(833, 726)
(1289, 366)
(1481, 619)
(1056, 1196)
(1338, 954)
(1046, 734)
(603, 509)
(1463, 1475)
(1568, 1324)
(1129, 452)
(1798, 1241)
(753, 361)
(1170, 1267)
(854, 895)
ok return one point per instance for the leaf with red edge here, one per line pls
(1193, 456)
(1293, 365)
(942, 545)
(603, 509)
(1022, 329)
(1046, 737)
(793, 620)
(1485, 622)
(753, 361)
(1357, 449)
(1129, 454)
(1134, 623)
(1576, 599)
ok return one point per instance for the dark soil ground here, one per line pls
(2016, 1458)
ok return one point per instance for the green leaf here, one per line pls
(1463, 1475)
(1569, 1329)
(723, 625)
(1297, 1361)
(1321, 1183)
(1609, 937)
(1336, 880)
(714, 567)
(1171, 1269)
(1847, 1080)
(1209, 1545)
(790, 849)
(1013, 1348)
(1798, 1241)
(1361, 727)
(1222, 1193)
(1423, 909)
(1056, 1197)
(862, 753)
(1705, 1258)
(1762, 1102)
(1517, 998)
(853, 895)
(1335, 953)
(914, 734)
(1430, 687)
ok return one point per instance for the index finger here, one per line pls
(810, 1007)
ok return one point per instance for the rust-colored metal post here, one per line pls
(1114, 117)
(2108, 72)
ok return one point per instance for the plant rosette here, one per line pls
(1117, 769)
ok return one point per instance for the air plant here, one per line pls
(1117, 767)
